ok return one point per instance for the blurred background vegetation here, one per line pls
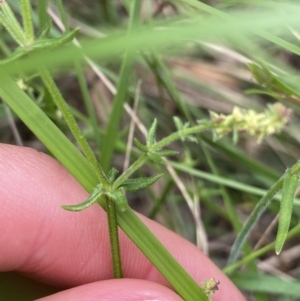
(210, 187)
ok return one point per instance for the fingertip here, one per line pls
(117, 289)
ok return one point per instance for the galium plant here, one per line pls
(106, 188)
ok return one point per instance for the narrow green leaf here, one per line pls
(182, 126)
(93, 198)
(44, 44)
(167, 152)
(254, 216)
(39, 45)
(166, 264)
(42, 13)
(140, 146)
(77, 164)
(151, 133)
(191, 138)
(156, 158)
(178, 123)
(255, 282)
(290, 184)
(111, 175)
(262, 75)
(45, 29)
(57, 143)
(140, 183)
(108, 144)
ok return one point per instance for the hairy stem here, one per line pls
(63, 107)
(27, 21)
(114, 237)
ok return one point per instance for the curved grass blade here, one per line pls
(254, 216)
(290, 184)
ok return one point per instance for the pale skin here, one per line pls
(71, 250)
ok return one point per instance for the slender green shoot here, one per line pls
(63, 107)
(27, 21)
(114, 237)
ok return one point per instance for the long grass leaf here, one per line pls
(144, 37)
(112, 131)
(71, 158)
(290, 184)
(47, 132)
(266, 283)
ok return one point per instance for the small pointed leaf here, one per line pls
(262, 75)
(156, 158)
(53, 43)
(180, 127)
(93, 198)
(290, 184)
(166, 152)
(111, 175)
(140, 146)
(178, 123)
(46, 29)
(151, 133)
(140, 183)
(191, 138)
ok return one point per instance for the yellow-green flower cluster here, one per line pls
(210, 287)
(259, 125)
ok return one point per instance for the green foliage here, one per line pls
(145, 41)
(92, 199)
(151, 134)
(289, 186)
(181, 127)
(140, 183)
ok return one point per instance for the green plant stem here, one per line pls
(27, 21)
(154, 250)
(114, 237)
(230, 268)
(78, 165)
(131, 169)
(63, 107)
(159, 145)
(184, 132)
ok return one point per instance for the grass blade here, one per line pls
(290, 184)
(112, 131)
